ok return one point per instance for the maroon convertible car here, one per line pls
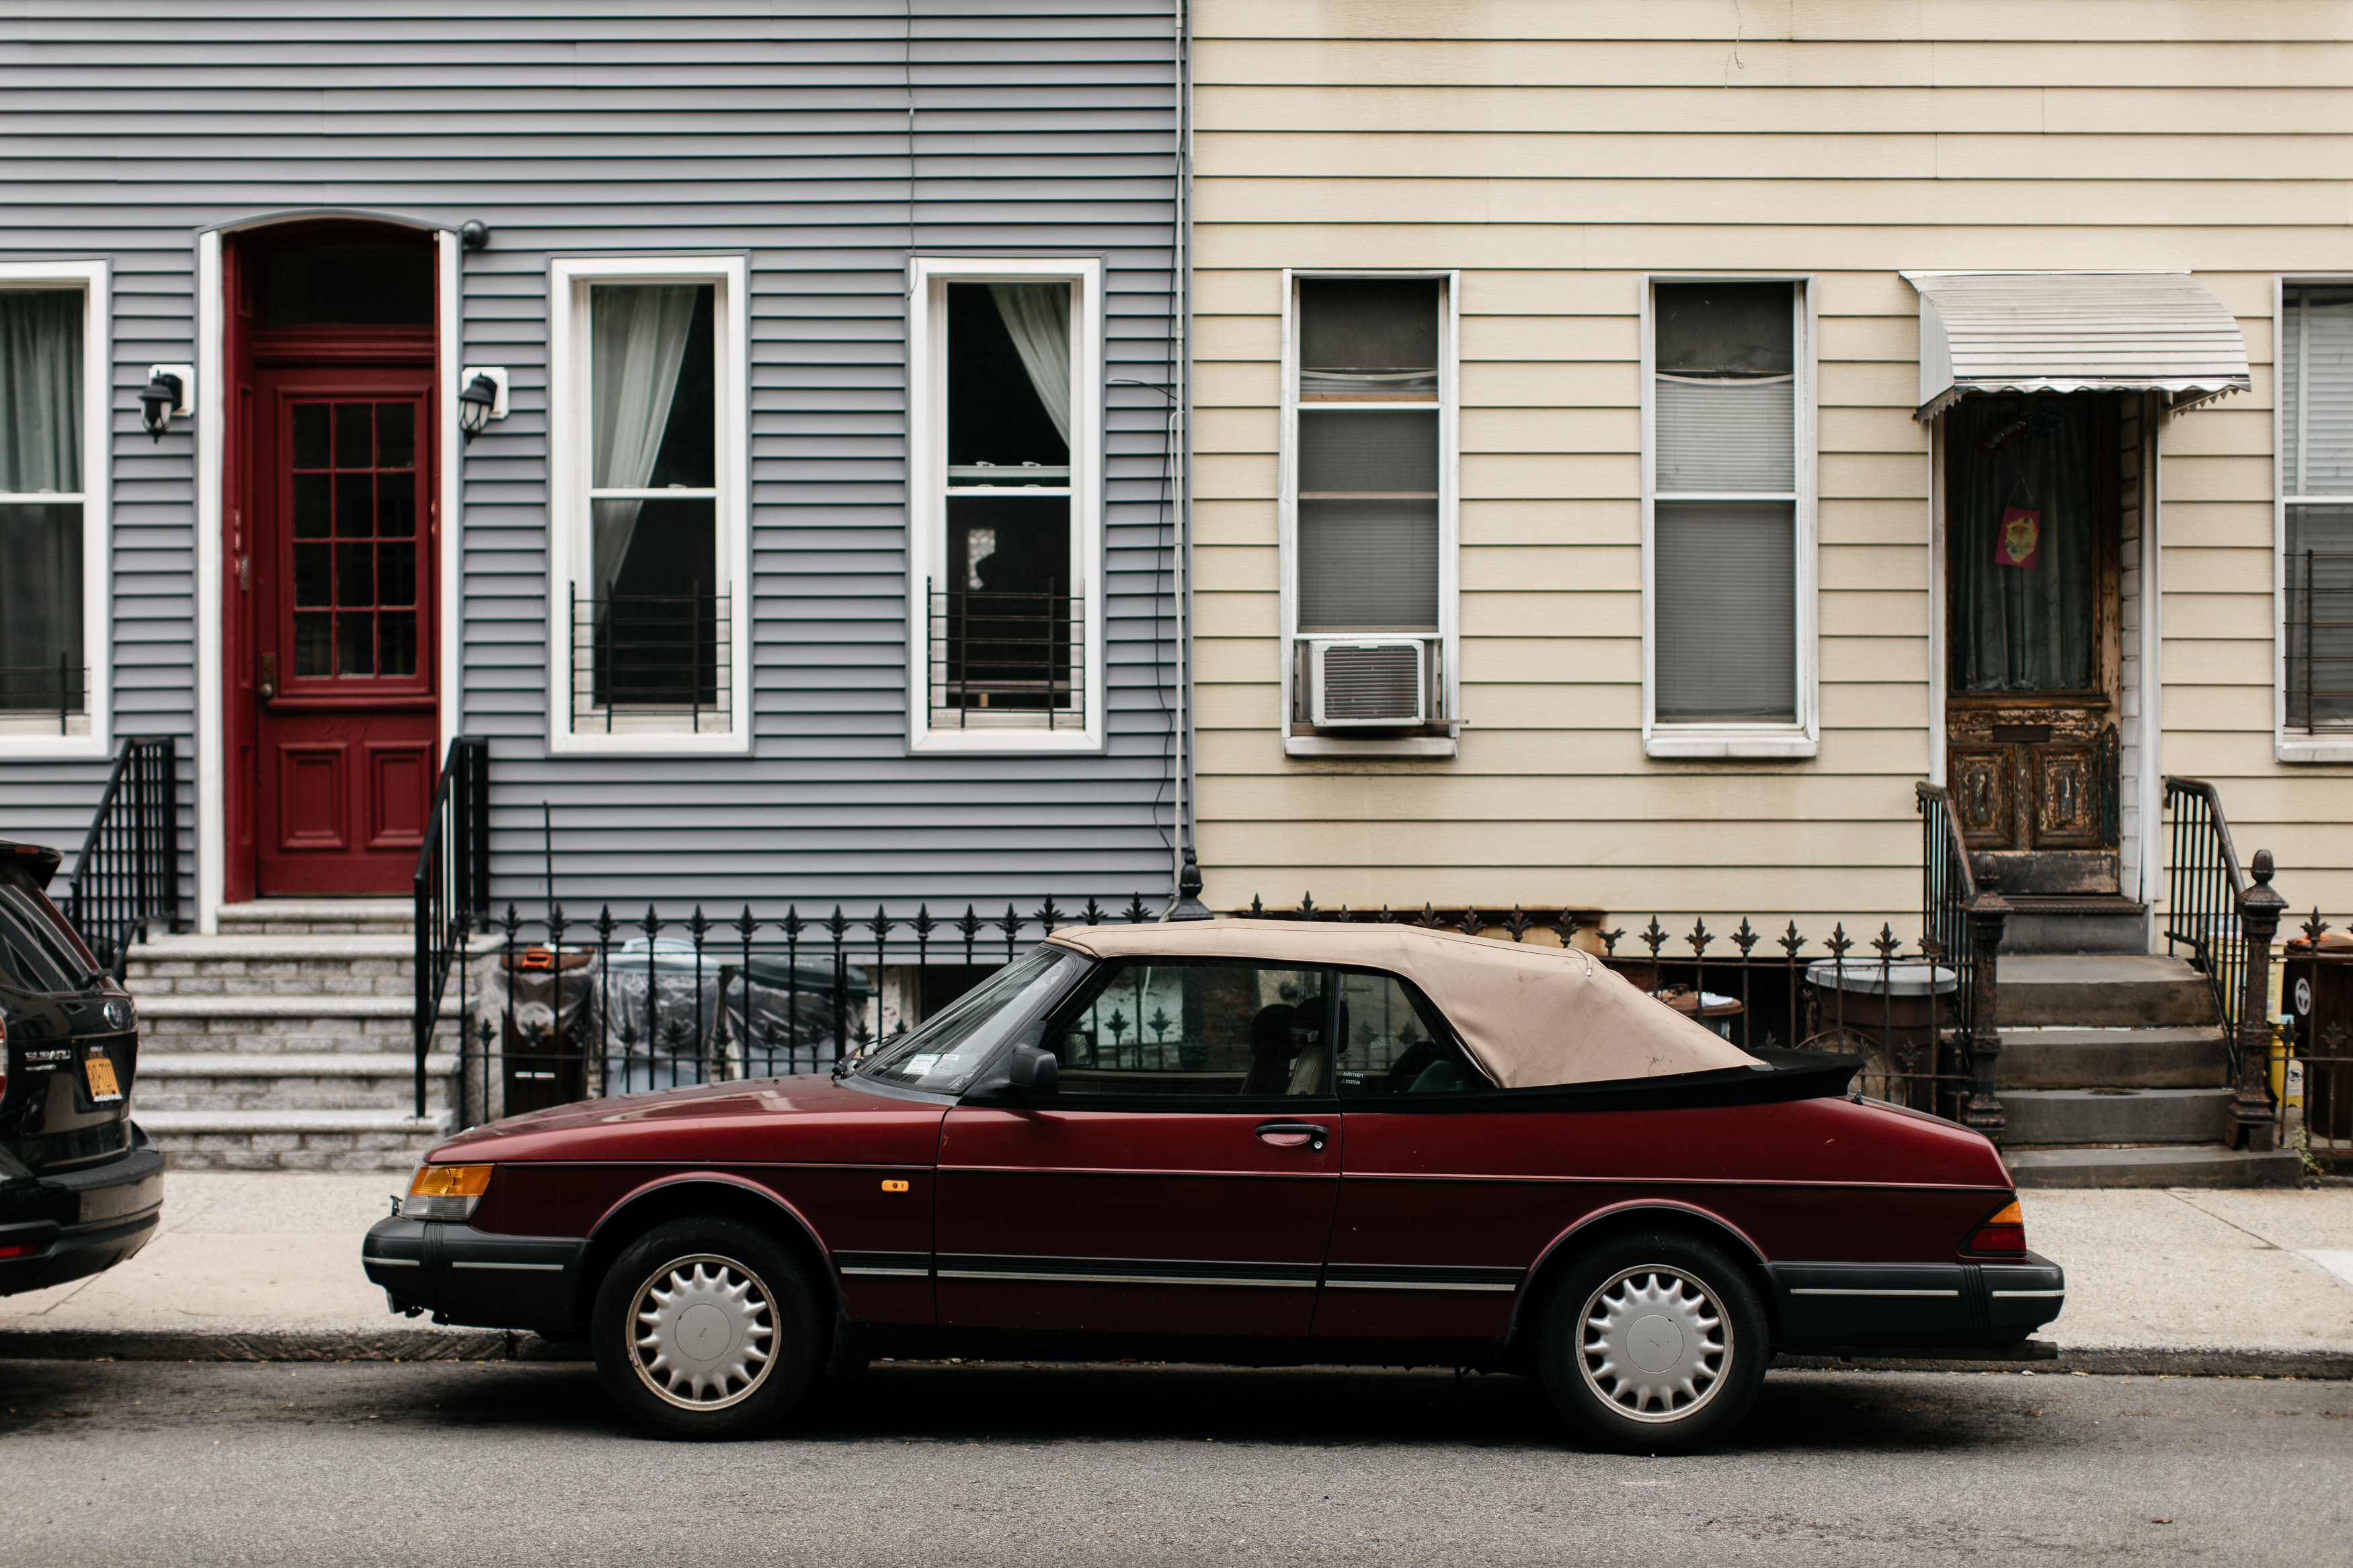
(1250, 1142)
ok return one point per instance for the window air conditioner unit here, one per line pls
(1366, 683)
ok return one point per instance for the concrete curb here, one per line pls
(290, 1345)
(503, 1344)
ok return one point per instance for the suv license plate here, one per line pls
(102, 1084)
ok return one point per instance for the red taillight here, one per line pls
(2004, 1230)
(24, 1251)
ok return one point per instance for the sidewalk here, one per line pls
(266, 1266)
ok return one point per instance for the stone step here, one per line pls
(342, 1080)
(380, 1140)
(2086, 1116)
(297, 916)
(272, 1025)
(2139, 991)
(2112, 1058)
(2091, 924)
(2194, 1165)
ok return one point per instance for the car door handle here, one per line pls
(1291, 1134)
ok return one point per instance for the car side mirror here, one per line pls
(1033, 1070)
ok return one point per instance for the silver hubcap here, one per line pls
(703, 1333)
(1654, 1344)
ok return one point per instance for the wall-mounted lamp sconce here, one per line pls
(482, 397)
(171, 389)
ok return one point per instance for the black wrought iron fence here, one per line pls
(62, 688)
(127, 877)
(2312, 1066)
(557, 1009)
(1893, 1004)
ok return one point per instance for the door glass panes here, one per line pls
(44, 679)
(1368, 454)
(1005, 609)
(353, 509)
(1724, 474)
(655, 612)
(1391, 1040)
(1218, 1026)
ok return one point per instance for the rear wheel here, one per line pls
(1653, 1344)
(705, 1329)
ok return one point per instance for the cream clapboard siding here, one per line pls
(1556, 152)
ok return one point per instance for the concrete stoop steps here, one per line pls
(287, 1040)
(2114, 1073)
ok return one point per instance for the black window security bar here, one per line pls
(555, 1009)
(1008, 658)
(62, 688)
(1875, 998)
(452, 882)
(127, 877)
(2320, 640)
(651, 655)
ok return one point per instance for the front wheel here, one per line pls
(1654, 1344)
(705, 1329)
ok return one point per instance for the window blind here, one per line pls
(2317, 393)
(1724, 612)
(1715, 436)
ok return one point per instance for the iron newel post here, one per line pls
(2254, 1118)
(1987, 912)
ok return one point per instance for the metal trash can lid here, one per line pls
(1904, 977)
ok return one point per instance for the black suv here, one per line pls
(81, 1188)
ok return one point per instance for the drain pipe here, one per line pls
(1181, 440)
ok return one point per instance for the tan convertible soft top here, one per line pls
(1529, 1015)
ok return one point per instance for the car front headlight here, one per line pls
(446, 1192)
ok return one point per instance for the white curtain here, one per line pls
(1038, 317)
(637, 341)
(40, 390)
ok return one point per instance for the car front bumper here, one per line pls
(476, 1277)
(76, 1223)
(1904, 1304)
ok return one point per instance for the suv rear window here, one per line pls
(36, 951)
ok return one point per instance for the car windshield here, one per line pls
(37, 953)
(948, 1048)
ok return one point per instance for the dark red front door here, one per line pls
(345, 719)
(330, 709)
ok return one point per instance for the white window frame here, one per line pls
(568, 511)
(2289, 745)
(1801, 739)
(91, 277)
(927, 406)
(1448, 638)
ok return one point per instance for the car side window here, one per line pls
(1392, 1041)
(1217, 1026)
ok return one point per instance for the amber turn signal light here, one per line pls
(446, 1192)
(894, 1186)
(2004, 1230)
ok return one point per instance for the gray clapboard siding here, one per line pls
(779, 131)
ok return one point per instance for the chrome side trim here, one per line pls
(1824, 1291)
(520, 1267)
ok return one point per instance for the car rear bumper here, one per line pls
(1898, 1304)
(478, 1278)
(76, 1223)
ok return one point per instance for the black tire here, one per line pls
(1697, 1356)
(737, 1338)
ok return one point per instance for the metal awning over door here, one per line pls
(2073, 332)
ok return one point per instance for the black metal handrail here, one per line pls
(127, 876)
(1961, 924)
(452, 884)
(2227, 918)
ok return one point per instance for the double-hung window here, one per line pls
(2316, 525)
(648, 640)
(1368, 497)
(1005, 393)
(53, 531)
(1727, 495)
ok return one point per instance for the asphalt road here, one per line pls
(521, 1464)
